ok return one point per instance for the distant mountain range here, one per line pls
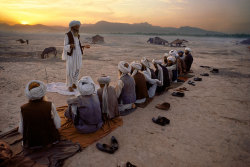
(104, 27)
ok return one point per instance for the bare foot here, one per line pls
(71, 89)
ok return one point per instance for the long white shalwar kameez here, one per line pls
(73, 62)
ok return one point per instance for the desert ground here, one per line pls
(209, 126)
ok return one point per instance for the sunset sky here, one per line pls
(230, 16)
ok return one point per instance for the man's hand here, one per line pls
(72, 46)
(86, 46)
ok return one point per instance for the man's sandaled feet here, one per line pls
(74, 86)
(178, 94)
(105, 148)
(71, 89)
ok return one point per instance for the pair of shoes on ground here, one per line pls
(111, 149)
(191, 83)
(161, 121)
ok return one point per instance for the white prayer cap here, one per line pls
(74, 23)
(136, 65)
(122, 68)
(36, 92)
(104, 80)
(86, 86)
(171, 58)
(157, 61)
(145, 62)
(173, 53)
(188, 49)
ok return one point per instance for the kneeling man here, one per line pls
(125, 89)
(107, 98)
(84, 110)
(39, 119)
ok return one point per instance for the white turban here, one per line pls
(173, 53)
(137, 66)
(188, 49)
(74, 23)
(86, 86)
(172, 58)
(37, 92)
(145, 62)
(123, 69)
(157, 61)
(104, 80)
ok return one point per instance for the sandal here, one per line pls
(191, 83)
(204, 74)
(215, 70)
(114, 143)
(197, 79)
(178, 94)
(128, 164)
(105, 148)
(161, 121)
(163, 106)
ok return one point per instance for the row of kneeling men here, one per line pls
(137, 83)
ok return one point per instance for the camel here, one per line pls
(157, 41)
(46, 51)
(178, 42)
(97, 39)
(23, 41)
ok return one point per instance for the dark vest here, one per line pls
(153, 76)
(127, 95)
(71, 41)
(38, 126)
(140, 86)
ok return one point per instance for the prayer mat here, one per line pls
(69, 132)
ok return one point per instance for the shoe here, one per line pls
(197, 79)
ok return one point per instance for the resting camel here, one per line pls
(23, 41)
(178, 42)
(46, 51)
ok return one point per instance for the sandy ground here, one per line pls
(209, 126)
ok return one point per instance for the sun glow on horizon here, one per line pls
(24, 22)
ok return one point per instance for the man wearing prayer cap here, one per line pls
(85, 110)
(172, 69)
(108, 99)
(188, 59)
(39, 119)
(72, 53)
(151, 78)
(140, 84)
(125, 88)
(162, 73)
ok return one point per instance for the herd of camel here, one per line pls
(99, 39)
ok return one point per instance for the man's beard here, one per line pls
(75, 32)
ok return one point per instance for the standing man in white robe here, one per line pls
(72, 53)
